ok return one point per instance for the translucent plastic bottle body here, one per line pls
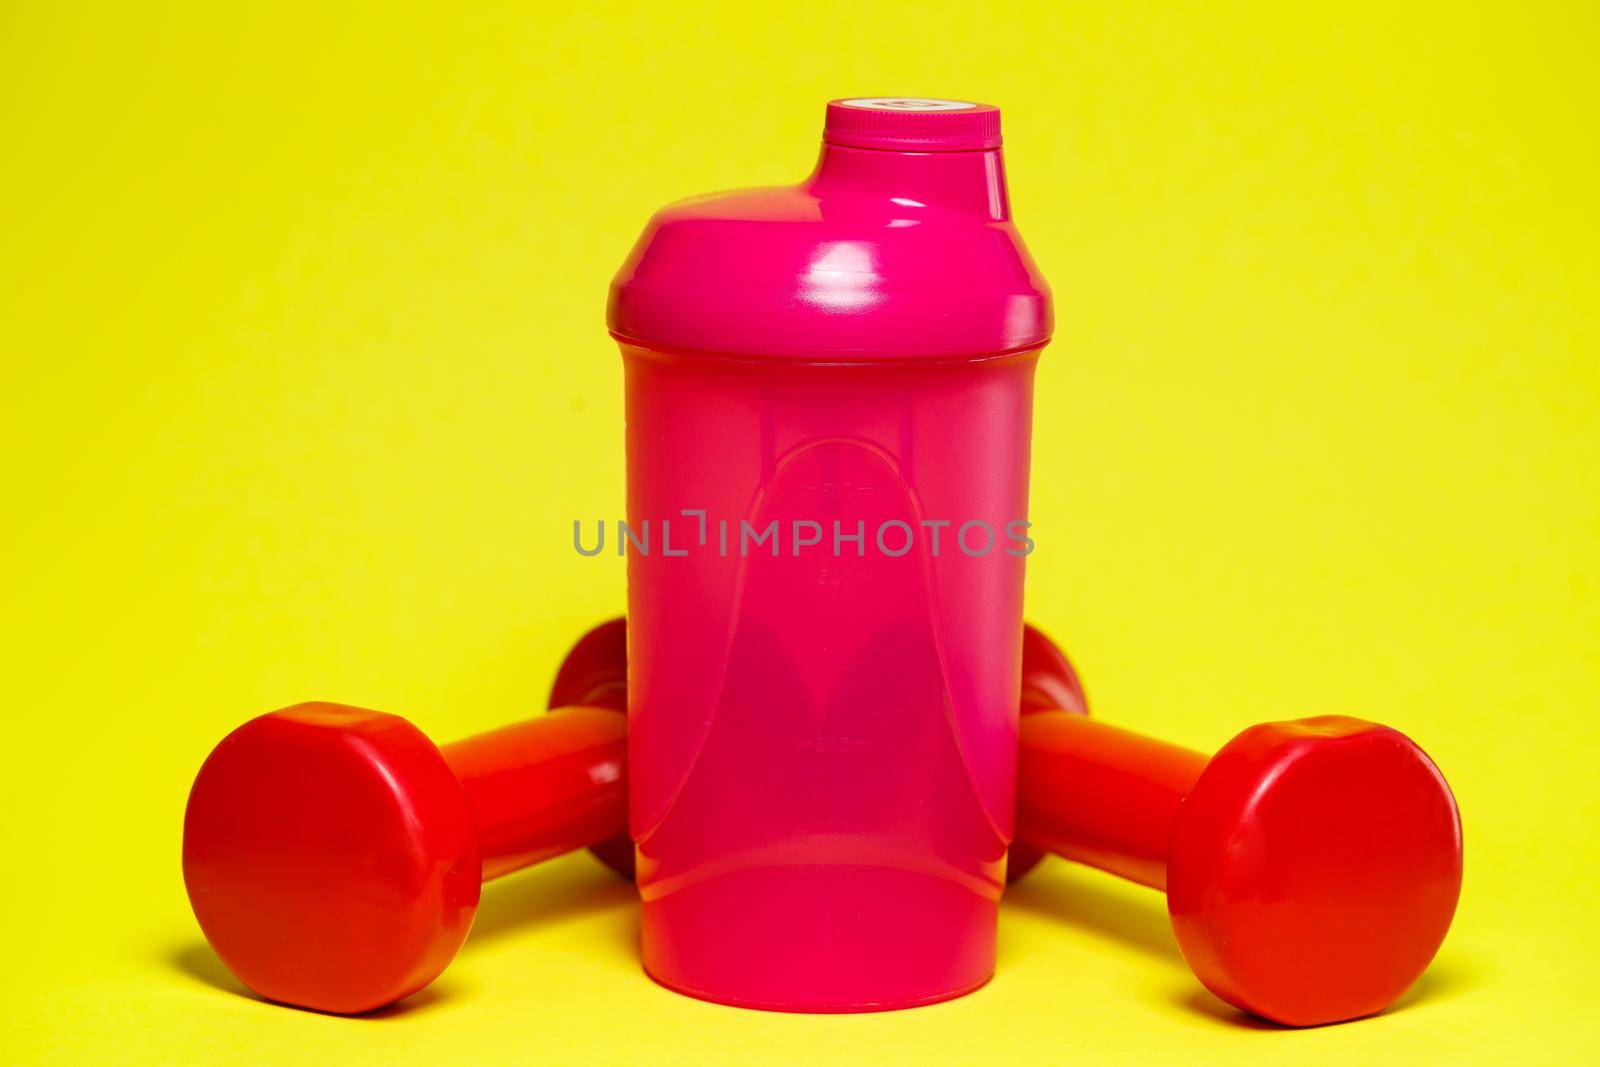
(829, 389)
(825, 734)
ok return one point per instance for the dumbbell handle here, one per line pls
(1100, 795)
(1087, 791)
(545, 786)
(555, 783)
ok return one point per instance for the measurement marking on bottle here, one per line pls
(824, 744)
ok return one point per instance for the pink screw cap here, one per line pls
(912, 124)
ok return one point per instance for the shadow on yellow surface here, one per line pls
(1077, 901)
(547, 894)
(1081, 904)
(1443, 981)
(198, 962)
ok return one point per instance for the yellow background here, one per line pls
(305, 377)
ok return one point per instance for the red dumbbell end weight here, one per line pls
(333, 855)
(1314, 869)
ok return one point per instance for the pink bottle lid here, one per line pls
(910, 123)
(899, 246)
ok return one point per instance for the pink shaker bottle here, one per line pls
(829, 395)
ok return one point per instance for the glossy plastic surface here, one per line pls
(1336, 837)
(823, 737)
(1101, 795)
(1049, 683)
(877, 255)
(333, 855)
(1312, 867)
(330, 857)
(545, 786)
(595, 674)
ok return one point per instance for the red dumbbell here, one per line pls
(1311, 867)
(333, 855)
